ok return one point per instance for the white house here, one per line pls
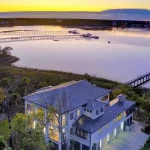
(88, 119)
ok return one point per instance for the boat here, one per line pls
(74, 32)
(95, 37)
(88, 35)
(55, 40)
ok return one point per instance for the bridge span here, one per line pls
(46, 37)
(32, 32)
(139, 80)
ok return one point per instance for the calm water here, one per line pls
(126, 57)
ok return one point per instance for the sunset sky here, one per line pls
(70, 5)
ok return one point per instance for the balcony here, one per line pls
(54, 137)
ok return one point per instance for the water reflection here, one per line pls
(125, 58)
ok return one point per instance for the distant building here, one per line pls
(89, 119)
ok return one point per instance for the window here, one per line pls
(84, 109)
(97, 112)
(101, 109)
(100, 131)
(106, 126)
(63, 117)
(71, 131)
(90, 111)
(78, 113)
(63, 130)
(125, 113)
(87, 110)
(71, 116)
(51, 127)
(105, 98)
(81, 133)
(120, 116)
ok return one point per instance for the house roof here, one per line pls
(95, 104)
(71, 95)
(90, 125)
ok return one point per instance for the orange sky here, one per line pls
(70, 5)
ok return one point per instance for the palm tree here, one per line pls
(42, 84)
(16, 97)
(26, 82)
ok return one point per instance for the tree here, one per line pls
(42, 84)
(146, 107)
(9, 87)
(16, 97)
(27, 137)
(146, 145)
(2, 143)
(26, 81)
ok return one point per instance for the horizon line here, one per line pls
(76, 11)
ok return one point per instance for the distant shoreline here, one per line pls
(86, 24)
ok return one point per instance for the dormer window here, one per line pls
(102, 109)
(87, 110)
(97, 112)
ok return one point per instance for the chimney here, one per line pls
(121, 97)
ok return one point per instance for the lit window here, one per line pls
(63, 117)
(51, 127)
(125, 113)
(44, 130)
(63, 130)
(78, 113)
(71, 116)
(34, 124)
(120, 116)
(106, 126)
(100, 131)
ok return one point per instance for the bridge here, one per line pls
(17, 32)
(46, 37)
(139, 80)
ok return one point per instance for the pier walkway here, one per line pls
(32, 32)
(139, 80)
(46, 37)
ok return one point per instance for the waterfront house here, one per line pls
(89, 120)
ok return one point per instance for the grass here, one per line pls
(4, 129)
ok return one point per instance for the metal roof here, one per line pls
(69, 96)
(90, 125)
(95, 104)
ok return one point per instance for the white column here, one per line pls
(80, 146)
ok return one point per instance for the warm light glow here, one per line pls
(122, 125)
(34, 124)
(100, 143)
(70, 5)
(44, 130)
(108, 138)
(115, 132)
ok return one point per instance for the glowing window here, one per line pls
(78, 113)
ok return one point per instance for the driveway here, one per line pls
(132, 140)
